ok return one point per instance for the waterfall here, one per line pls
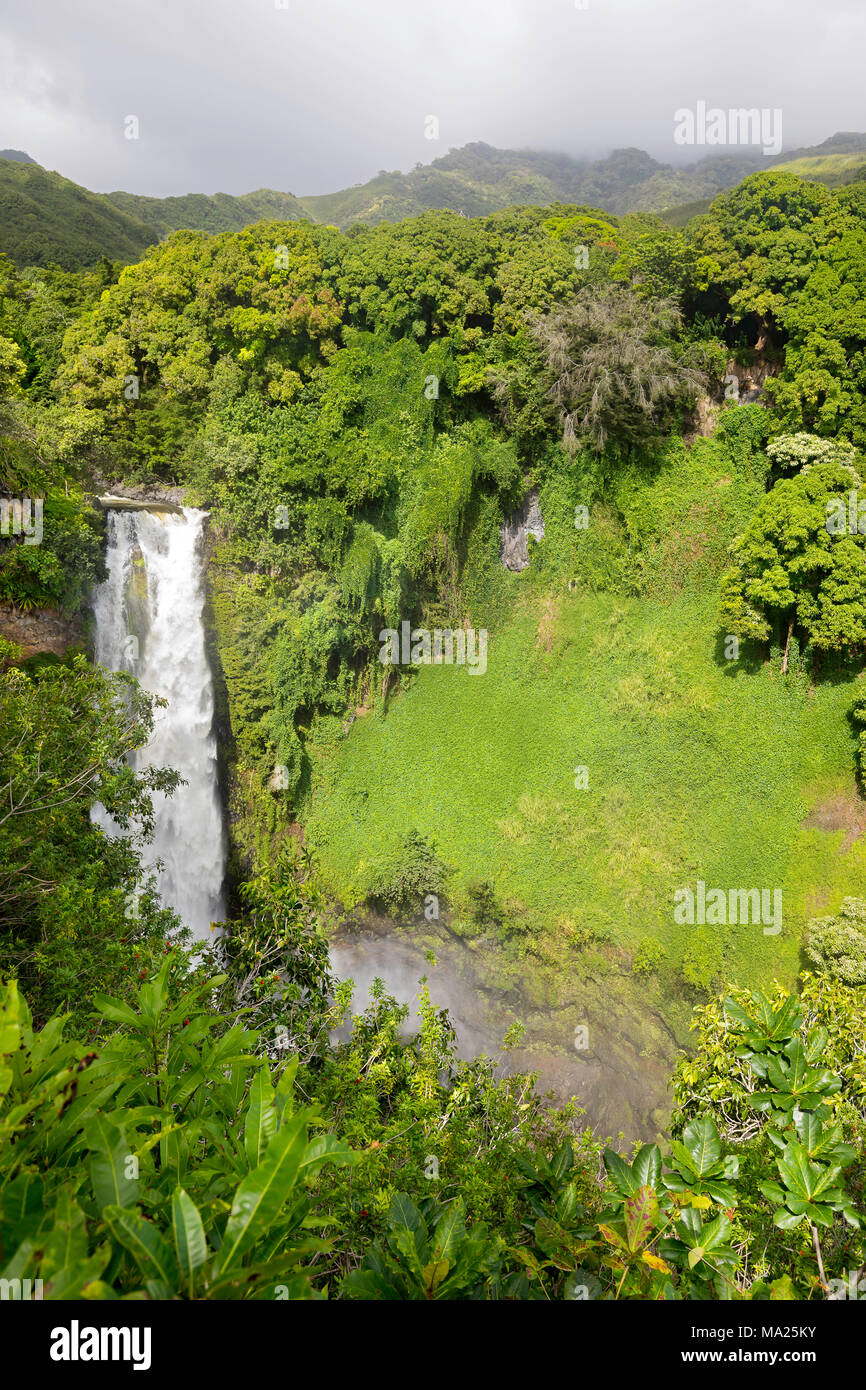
(149, 621)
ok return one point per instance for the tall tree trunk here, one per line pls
(787, 648)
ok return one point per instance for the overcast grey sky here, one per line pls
(234, 95)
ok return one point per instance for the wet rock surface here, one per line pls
(516, 530)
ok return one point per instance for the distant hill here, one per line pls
(44, 217)
(479, 179)
(220, 212)
(839, 160)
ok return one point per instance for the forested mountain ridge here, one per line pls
(220, 212)
(45, 218)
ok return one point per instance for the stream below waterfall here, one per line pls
(619, 1082)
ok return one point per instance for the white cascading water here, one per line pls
(149, 621)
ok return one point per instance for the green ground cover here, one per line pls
(699, 767)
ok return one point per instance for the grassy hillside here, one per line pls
(831, 169)
(44, 217)
(694, 773)
(839, 160)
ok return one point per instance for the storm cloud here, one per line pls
(313, 95)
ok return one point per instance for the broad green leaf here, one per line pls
(189, 1238)
(22, 1205)
(144, 1242)
(433, 1274)
(97, 1291)
(739, 1015)
(613, 1236)
(326, 1148)
(450, 1232)
(810, 1130)
(563, 1160)
(647, 1166)
(285, 1088)
(816, 1044)
(370, 1286)
(721, 1192)
(620, 1173)
(683, 1158)
(152, 995)
(109, 1162)
(116, 1011)
(403, 1212)
(74, 1280)
(10, 1019)
(261, 1194)
(556, 1243)
(582, 1286)
(261, 1121)
(782, 1289)
(773, 1192)
(701, 1138)
(716, 1232)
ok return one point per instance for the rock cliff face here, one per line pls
(43, 630)
(514, 550)
(751, 379)
(140, 497)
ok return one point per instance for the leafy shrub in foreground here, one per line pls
(169, 1163)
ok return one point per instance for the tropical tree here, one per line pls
(73, 913)
(794, 566)
(613, 369)
(837, 944)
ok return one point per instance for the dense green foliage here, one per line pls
(69, 921)
(48, 219)
(837, 945)
(175, 1161)
(201, 213)
(360, 411)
